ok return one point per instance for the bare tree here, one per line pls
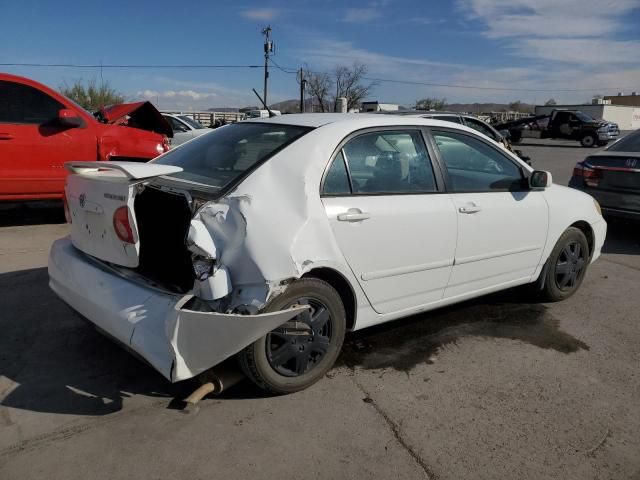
(91, 96)
(318, 86)
(348, 84)
(551, 101)
(431, 103)
(519, 106)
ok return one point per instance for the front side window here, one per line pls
(221, 157)
(24, 104)
(474, 166)
(389, 162)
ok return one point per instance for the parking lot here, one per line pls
(493, 388)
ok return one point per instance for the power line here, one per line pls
(448, 85)
(75, 65)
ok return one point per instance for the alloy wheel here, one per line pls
(570, 265)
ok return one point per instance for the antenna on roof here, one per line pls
(271, 114)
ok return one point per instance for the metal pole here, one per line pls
(302, 85)
(268, 48)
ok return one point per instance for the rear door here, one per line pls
(391, 219)
(33, 146)
(502, 225)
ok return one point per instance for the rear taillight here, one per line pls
(165, 144)
(67, 213)
(590, 176)
(122, 225)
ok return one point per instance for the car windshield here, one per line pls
(193, 123)
(583, 117)
(228, 153)
(630, 143)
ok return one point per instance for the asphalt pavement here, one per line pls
(490, 389)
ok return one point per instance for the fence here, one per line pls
(209, 118)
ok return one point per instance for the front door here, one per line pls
(502, 224)
(391, 219)
(34, 146)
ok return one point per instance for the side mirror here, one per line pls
(69, 118)
(540, 179)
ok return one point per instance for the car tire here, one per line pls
(290, 359)
(566, 266)
(589, 140)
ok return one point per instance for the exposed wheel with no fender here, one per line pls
(566, 266)
(298, 353)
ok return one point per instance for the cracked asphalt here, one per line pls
(489, 389)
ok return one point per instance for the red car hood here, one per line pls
(141, 115)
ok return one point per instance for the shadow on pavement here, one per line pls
(623, 237)
(59, 362)
(31, 213)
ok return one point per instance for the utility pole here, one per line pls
(268, 50)
(303, 84)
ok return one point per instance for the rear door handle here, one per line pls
(470, 208)
(353, 215)
(6, 136)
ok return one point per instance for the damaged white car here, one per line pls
(271, 238)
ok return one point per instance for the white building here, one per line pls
(379, 107)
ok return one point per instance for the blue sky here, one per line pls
(592, 46)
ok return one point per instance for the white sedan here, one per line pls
(184, 128)
(270, 239)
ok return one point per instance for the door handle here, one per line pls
(6, 136)
(353, 215)
(470, 208)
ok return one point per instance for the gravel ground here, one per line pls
(493, 388)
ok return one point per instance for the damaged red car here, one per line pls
(40, 130)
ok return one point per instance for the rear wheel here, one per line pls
(588, 140)
(566, 266)
(299, 353)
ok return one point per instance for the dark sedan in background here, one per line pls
(612, 177)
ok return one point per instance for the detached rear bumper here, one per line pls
(178, 342)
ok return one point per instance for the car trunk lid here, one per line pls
(616, 172)
(95, 191)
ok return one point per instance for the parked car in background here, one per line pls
(468, 120)
(612, 177)
(269, 239)
(40, 130)
(184, 128)
(261, 113)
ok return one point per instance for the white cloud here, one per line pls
(262, 14)
(581, 32)
(360, 15)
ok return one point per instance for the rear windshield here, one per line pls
(630, 143)
(220, 158)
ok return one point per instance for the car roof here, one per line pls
(354, 120)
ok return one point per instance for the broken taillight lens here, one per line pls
(65, 205)
(122, 225)
(590, 176)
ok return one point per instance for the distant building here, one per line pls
(379, 107)
(632, 100)
(627, 117)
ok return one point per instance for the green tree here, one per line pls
(431, 103)
(90, 96)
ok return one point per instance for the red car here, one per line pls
(41, 129)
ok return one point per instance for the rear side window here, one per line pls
(336, 182)
(474, 166)
(388, 162)
(228, 153)
(24, 104)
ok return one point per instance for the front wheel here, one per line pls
(589, 140)
(566, 266)
(297, 354)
